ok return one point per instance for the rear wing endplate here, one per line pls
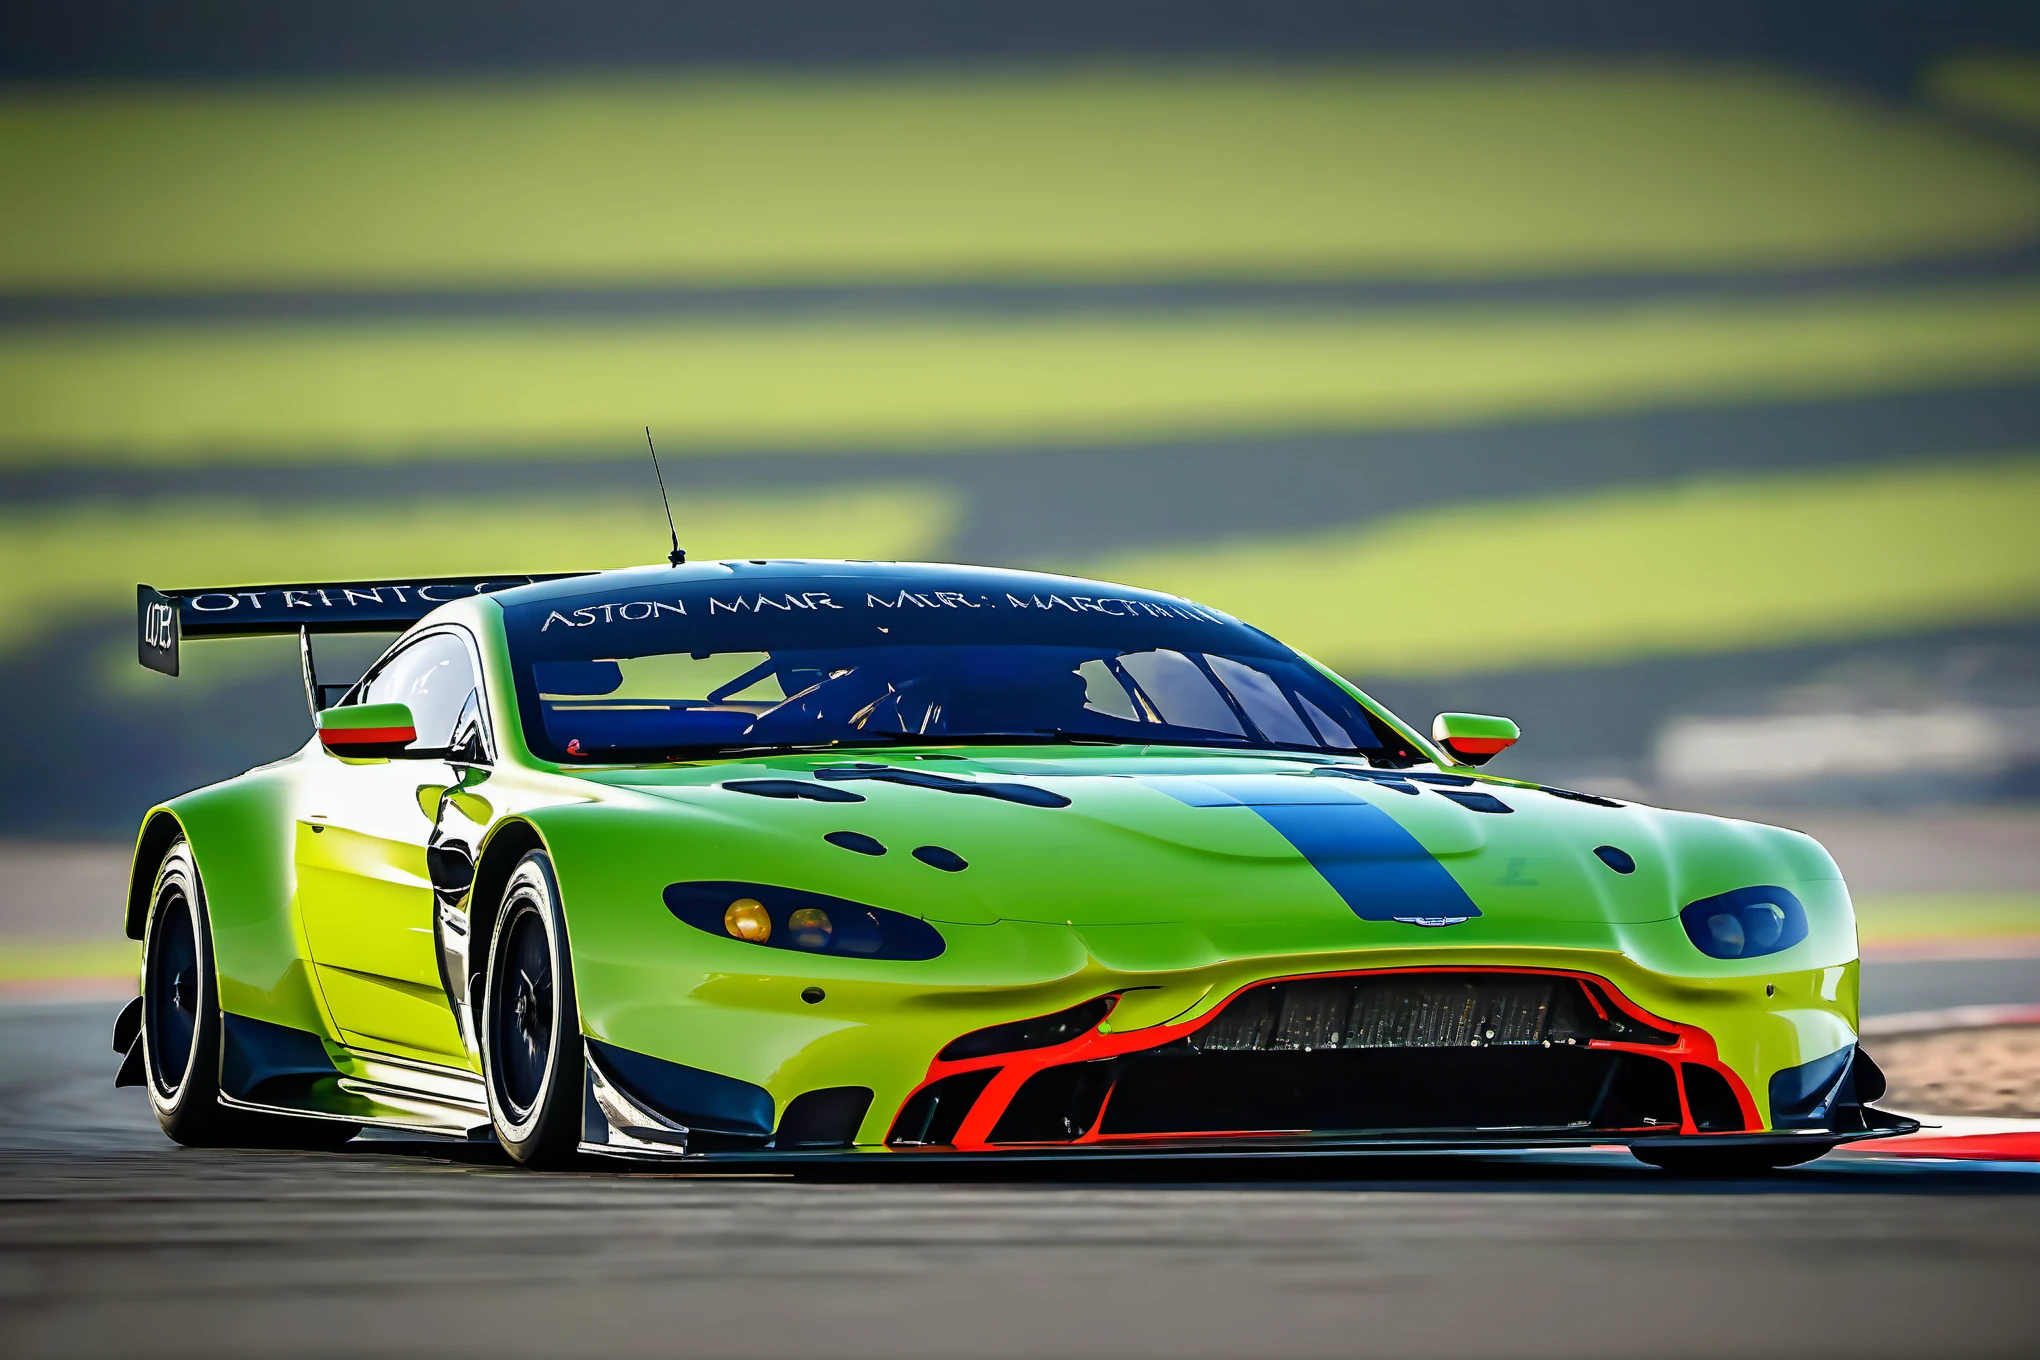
(164, 618)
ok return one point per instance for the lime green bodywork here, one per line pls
(322, 905)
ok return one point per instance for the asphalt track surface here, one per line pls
(112, 1240)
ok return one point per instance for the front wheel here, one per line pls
(531, 1026)
(1745, 1159)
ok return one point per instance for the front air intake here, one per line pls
(934, 1113)
(1042, 1031)
(1417, 1052)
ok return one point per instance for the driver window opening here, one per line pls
(435, 679)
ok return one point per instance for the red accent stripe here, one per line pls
(1995, 1147)
(1480, 746)
(368, 736)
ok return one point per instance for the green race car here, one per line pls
(794, 860)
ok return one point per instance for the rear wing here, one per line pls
(164, 618)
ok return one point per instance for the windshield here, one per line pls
(690, 671)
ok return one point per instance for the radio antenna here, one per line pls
(677, 556)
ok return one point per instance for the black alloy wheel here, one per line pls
(172, 994)
(524, 1023)
(532, 1056)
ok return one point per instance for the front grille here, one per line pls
(1418, 1010)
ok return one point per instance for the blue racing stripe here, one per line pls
(1381, 871)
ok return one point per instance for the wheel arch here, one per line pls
(510, 841)
(242, 832)
(161, 829)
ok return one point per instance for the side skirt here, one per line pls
(279, 1070)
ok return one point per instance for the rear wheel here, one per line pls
(181, 1027)
(531, 1026)
(1745, 1159)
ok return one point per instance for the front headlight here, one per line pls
(1745, 924)
(789, 918)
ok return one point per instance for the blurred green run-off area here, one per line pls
(1689, 413)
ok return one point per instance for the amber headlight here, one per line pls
(747, 919)
(787, 918)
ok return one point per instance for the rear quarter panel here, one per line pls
(240, 836)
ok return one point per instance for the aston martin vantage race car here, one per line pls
(799, 860)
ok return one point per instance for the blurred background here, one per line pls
(1666, 377)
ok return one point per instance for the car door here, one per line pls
(364, 883)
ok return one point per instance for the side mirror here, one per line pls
(366, 731)
(1473, 738)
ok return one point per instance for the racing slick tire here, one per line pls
(532, 1058)
(1738, 1160)
(180, 1032)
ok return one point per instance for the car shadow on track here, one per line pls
(1584, 1171)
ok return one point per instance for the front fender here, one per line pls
(649, 983)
